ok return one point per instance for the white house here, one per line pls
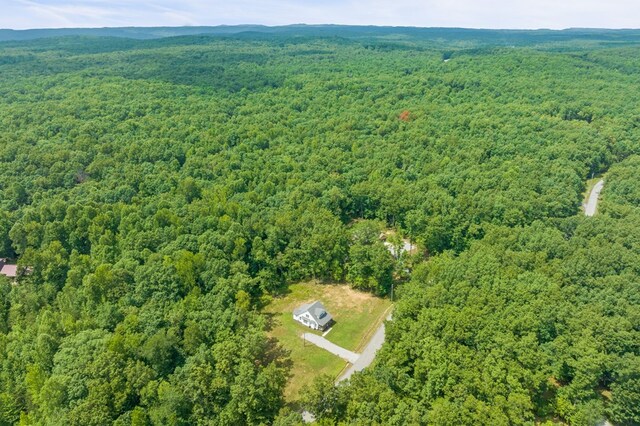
(313, 315)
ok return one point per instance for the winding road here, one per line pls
(358, 361)
(592, 204)
(368, 354)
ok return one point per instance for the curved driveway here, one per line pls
(592, 204)
(358, 361)
(323, 343)
(368, 354)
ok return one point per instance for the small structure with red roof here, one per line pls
(8, 269)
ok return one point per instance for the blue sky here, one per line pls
(21, 14)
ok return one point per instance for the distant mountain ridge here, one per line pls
(146, 33)
(126, 32)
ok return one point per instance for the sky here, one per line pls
(555, 14)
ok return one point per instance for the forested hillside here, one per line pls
(160, 192)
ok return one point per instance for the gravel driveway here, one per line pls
(368, 354)
(323, 343)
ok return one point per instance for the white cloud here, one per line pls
(426, 13)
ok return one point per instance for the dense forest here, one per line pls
(157, 193)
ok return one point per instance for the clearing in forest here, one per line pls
(357, 315)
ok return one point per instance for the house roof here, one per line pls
(317, 311)
(9, 270)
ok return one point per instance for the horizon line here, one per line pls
(299, 24)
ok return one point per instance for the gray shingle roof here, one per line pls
(317, 311)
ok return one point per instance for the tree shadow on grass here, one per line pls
(272, 320)
(277, 354)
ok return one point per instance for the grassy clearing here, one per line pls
(356, 315)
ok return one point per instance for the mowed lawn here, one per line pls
(356, 316)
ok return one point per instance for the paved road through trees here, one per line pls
(592, 204)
